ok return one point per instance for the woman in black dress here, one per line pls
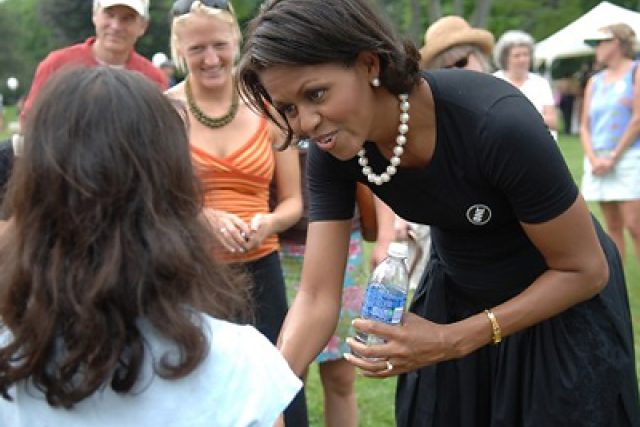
(521, 317)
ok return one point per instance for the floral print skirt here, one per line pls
(292, 254)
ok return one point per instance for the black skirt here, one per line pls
(575, 369)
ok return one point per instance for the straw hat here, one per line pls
(451, 31)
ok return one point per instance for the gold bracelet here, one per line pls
(496, 334)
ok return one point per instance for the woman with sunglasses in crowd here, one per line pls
(522, 315)
(113, 312)
(450, 42)
(513, 54)
(610, 134)
(235, 154)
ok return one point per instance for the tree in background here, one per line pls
(540, 18)
(24, 41)
(11, 65)
(69, 20)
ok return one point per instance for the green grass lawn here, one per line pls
(376, 398)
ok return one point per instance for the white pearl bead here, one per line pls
(404, 117)
(385, 177)
(395, 161)
(363, 161)
(377, 180)
(362, 153)
(403, 96)
(401, 140)
(371, 177)
(391, 170)
(403, 128)
(398, 151)
(404, 106)
(367, 170)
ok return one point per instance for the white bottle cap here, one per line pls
(398, 250)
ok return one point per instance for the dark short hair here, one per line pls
(105, 231)
(313, 32)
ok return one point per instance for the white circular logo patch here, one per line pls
(479, 214)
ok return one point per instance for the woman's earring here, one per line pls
(375, 82)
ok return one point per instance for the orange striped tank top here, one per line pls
(239, 184)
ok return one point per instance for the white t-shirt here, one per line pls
(536, 88)
(243, 381)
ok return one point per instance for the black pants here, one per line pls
(566, 107)
(270, 301)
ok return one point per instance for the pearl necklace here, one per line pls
(398, 150)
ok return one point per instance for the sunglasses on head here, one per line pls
(182, 7)
(460, 63)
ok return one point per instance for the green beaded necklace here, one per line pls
(212, 122)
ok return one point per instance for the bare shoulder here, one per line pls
(177, 92)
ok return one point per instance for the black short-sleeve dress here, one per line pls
(495, 165)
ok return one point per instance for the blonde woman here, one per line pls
(610, 134)
(234, 152)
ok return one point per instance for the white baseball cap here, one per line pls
(140, 6)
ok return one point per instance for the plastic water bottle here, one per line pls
(387, 291)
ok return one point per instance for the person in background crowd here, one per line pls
(513, 53)
(610, 134)
(451, 42)
(236, 157)
(113, 311)
(118, 24)
(169, 70)
(567, 88)
(522, 315)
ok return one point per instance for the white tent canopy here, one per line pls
(568, 42)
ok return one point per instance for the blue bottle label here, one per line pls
(383, 304)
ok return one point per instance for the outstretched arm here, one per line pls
(314, 314)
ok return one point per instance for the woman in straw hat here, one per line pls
(521, 316)
(610, 134)
(451, 42)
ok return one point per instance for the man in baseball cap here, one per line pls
(118, 24)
